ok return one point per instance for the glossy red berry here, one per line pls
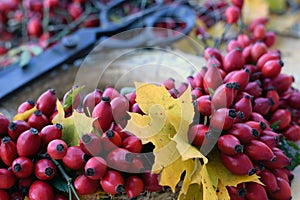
(120, 107)
(85, 185)
(45, 169)
(281, 116)
(91, 144)
(57, 149)
(244, 105)
(212, 52)
(259, 126)
(238, 3)
(282, 82)
(4, 123)
(284, 192)
(243, 40)
(294, 99)
(223, 119)
(75, 10)
(204, 105)
(270, 38)
(254, 89)
(132, 144)
(224, 96)
(8, 151)
(255, 22)
(26, 105)
(269, 179)
(95, 168)
(281, 160)
(29, 143)
(243, 132)
(22, 167)
(34, 27)
(292, 133)
(257, 50)
(230, 145)
(134, 186)
(256, 191)
(232, 14)
(9, 178)
(241, 77)
(151, 182)
(111, 140)
(239, 164)
(47, 102)
(272, 68)
(169, 83)
(40, 190)
(91, 100)
(232, 44)
(111, 93)
(267, 57)
(262, 105)
(233, 60)
(17, 127)
(4, 194)
(273, 94)
(103, 113)
(74, 158)
(197, 134)
(259, 32)
(212, 78)
(37, 120)
(112, 182)
(258, 151)
(51, 132)
(120, 159)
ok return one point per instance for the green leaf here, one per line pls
(292, 151)
(25, 58)
(36, 50)
(60, 184)
(275, 125)
(71, 97)
(126, 90)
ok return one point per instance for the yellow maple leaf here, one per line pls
(74, 126)
(166, 124)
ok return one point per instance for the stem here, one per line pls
(241, 24)
(220, 40)
(67, 178)
(46, 23)
(24, 22)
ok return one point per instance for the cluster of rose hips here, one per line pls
(247, 106)
(33, 152)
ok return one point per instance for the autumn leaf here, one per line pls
(166, 124)
(74, 126)
(25, 115)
